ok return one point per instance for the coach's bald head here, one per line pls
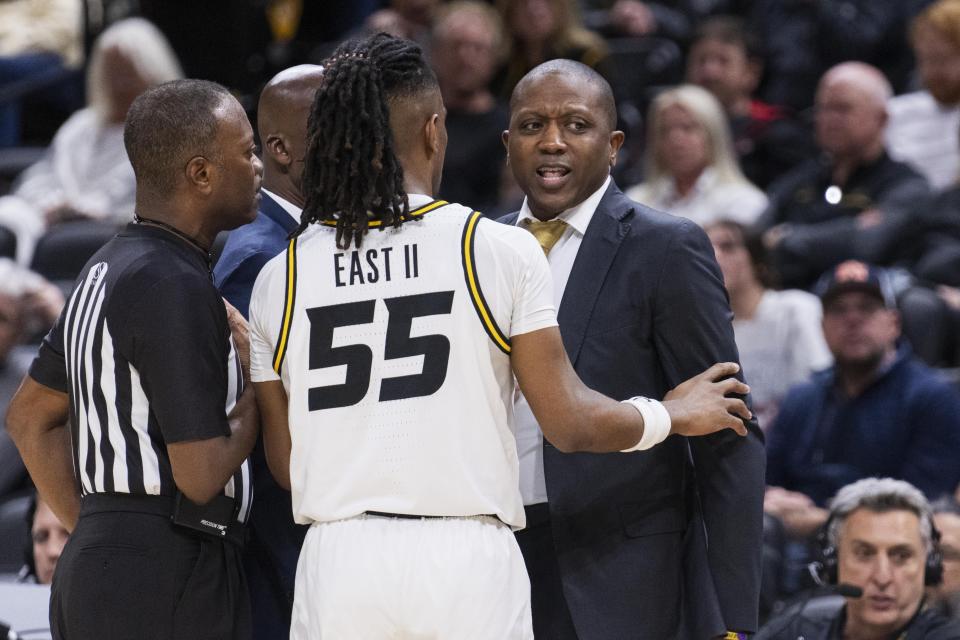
(282, 124)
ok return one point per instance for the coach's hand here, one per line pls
(702, 405)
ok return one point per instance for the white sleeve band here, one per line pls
(656, 422)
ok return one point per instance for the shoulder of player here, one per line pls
(274, 268)
(506, 238)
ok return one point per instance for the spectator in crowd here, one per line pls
(541, 30)
(877, 412)
(40, 40)
(778, 333)
(29, 305)
(48, 537)
(924, 125)
(410, 19)
(689, 166)
(927, 245)
(466, 46)
(724, 59)
(802, 39)
(85, 174)
(879, 542)
(674, 19)
(946, 595)
(271, 555)
(846, 202)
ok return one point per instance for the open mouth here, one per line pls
(553, 175)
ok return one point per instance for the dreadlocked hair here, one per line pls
(351, 171)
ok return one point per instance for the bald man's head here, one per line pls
(851, 112)
(282, 124)
(867, 80)
(575, 72)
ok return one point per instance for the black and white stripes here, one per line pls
(118, 445)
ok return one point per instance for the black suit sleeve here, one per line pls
(693, 330)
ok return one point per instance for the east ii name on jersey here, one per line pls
(371, 265)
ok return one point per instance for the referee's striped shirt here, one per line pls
(143, 349)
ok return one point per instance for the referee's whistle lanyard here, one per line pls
(207, 256)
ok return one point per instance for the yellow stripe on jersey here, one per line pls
(416, 213)
(289, 300)
(473, 285)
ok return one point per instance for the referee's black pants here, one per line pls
(129, 573)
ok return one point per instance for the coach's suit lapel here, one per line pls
(272, 209)
(605, 233)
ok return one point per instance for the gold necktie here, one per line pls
(547, 233)
(283, 16)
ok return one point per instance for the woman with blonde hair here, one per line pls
(542, 30)
(689, 166)
(85, 173)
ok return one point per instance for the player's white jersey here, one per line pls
(395, 359)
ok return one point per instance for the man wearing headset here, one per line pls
(880, 549)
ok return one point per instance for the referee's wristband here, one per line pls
(656, 422)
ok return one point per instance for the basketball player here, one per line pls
(384, 343)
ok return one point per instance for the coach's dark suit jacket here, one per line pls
(270, 558)
(664, 543)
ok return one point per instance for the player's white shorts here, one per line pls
(379, 578)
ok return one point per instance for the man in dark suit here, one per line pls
(654, 545)
(271, 556)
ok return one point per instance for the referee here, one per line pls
(151, 475)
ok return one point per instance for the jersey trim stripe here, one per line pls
(473, 285)
(289, 300)
(416, 213)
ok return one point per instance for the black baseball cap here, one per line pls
(854, 275)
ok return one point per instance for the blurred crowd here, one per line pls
(816, 141)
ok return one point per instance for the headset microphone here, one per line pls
(846, 590)
(815, 569)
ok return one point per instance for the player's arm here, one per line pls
(271, 394)
(272, 399)
(575, 418)
(37, 423)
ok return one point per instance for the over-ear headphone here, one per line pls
(825, 566)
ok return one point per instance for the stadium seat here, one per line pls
(640, 66)
(65, 248)
(13, 532)
(8, 243)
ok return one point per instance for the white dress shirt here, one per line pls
(533, 486)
